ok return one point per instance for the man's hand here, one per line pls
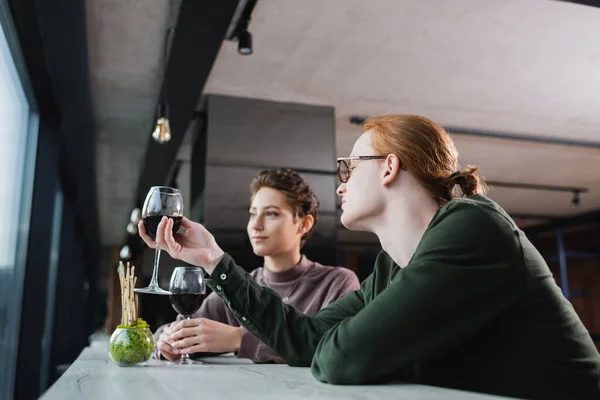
(165, 345)
(196, 246)
(204, 335)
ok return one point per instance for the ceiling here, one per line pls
(523, 67)
(125, 41)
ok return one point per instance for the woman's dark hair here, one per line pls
(296, 189)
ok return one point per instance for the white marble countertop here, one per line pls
(94, 376)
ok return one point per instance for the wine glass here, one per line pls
(160, 201)
(187, 292)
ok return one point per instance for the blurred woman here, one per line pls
(282, 216)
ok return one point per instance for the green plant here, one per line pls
(140, 323)
(132, 344)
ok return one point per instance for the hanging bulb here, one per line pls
(162, 131)
(136, 215)
(125, 253)
(132, 228)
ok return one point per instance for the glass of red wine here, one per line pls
(160, 201)
(187, 292)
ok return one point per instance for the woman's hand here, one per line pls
(205, 335)
(165, 345)
(196, 245)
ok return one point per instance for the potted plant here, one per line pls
(132, 343)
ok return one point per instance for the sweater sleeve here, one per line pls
(287, 332)
(467, 269)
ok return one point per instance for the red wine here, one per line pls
(151, 224)
(186, 303)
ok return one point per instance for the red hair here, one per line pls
(427, 151)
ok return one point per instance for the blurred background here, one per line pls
(254, 84)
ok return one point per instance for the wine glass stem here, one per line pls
(154, 280)
(185, 357)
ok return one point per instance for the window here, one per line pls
(18, 139)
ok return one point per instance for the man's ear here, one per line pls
(391, 169)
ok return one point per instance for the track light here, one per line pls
(245, 43)
(238, 26)
(575, 202)
(357, 119)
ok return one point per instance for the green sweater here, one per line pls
(475, 309)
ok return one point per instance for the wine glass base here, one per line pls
(152, 290)
(187, 361)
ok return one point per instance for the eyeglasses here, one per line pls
(344, 170)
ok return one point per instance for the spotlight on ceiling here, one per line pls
(238, 27)
(575, 202)
(357, 119)
(245, 43)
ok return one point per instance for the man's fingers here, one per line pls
(186, 224)
(168, 236)
(160, 232)
(144, 235)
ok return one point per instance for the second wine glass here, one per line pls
(187, 292)
(161, 201)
